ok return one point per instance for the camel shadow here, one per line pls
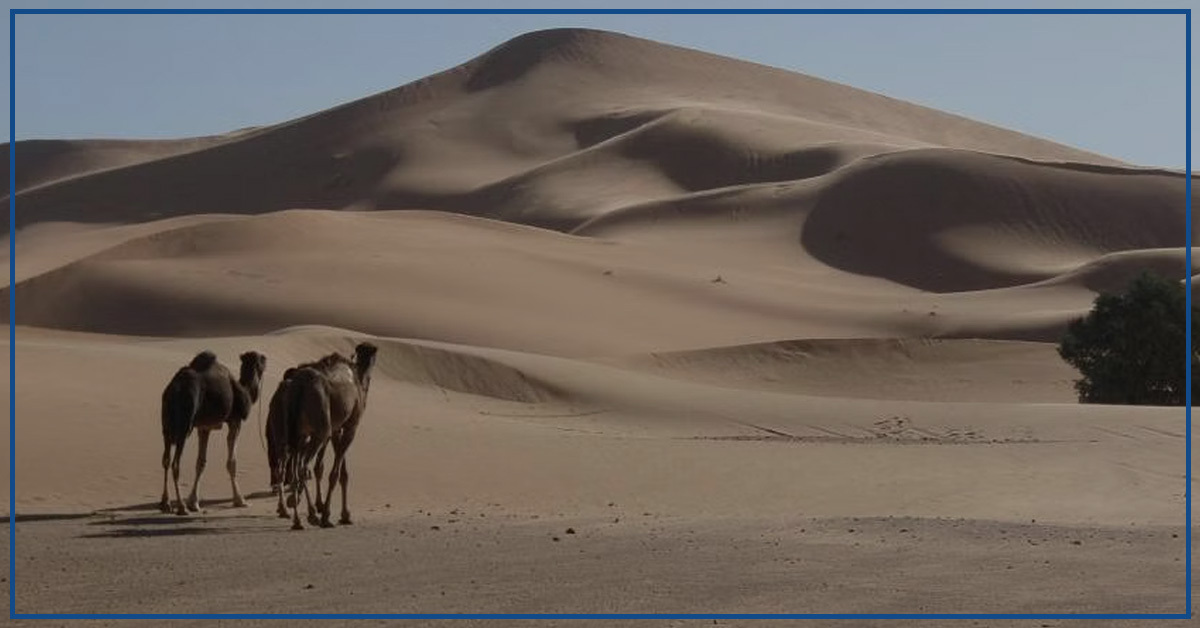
(137, 532)
(227, 503)
(172, 525)
(56, 516)
(122, 524)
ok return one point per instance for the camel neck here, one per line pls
(250, 382)
(363, 375)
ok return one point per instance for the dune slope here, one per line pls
(439, 143)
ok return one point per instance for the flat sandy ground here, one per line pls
(658, 331)
(652, 500)
(492, 560)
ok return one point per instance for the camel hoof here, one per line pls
(296, 525)
(181, 511)
(314, 520)
(165, 506)
(325, 523)
(193, 505)
(345, 520)
(240, 503)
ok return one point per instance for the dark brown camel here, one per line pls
(276, 434)
(276, 429)
(204, 395)
(324, 404)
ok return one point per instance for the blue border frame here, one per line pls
(12, 309)
(1187, 491)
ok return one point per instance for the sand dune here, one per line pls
(611, 281)
(43, 162)
(916, 369)
(969, 222)
(433, 143)
(539, 290)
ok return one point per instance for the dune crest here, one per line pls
(437, 143)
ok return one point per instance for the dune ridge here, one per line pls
(429, 144)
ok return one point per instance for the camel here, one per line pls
(324, 404)
(204, 395)
(276, 430)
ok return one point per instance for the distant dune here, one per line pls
(500, 136)
(667, 152)
(611, 280)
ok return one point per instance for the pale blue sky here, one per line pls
(1113, 84)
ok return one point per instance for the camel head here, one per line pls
(364, 360)
(253, 365)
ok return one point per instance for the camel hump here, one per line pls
(332, 360)
(203, 361)
(305, 376)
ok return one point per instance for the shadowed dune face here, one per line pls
(947, 221)
(43, 162)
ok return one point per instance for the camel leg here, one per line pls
(165, 504)
(318, 470)
(193, 501)
(308, 501)
(334, 473)
(294, 459)
(279, 472)
(175, 460)
(283, 466)
(344, 475)
(280, 509)
(235, 428)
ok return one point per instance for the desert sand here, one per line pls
(659, 331)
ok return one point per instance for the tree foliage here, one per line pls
(1130, 349)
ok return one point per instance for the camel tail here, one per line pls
(181, 402)
(302, 391)
(276, 432)
(293, 406)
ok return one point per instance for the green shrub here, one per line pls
(1130, 348)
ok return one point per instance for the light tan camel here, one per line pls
(324, 404)
(204, 395)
